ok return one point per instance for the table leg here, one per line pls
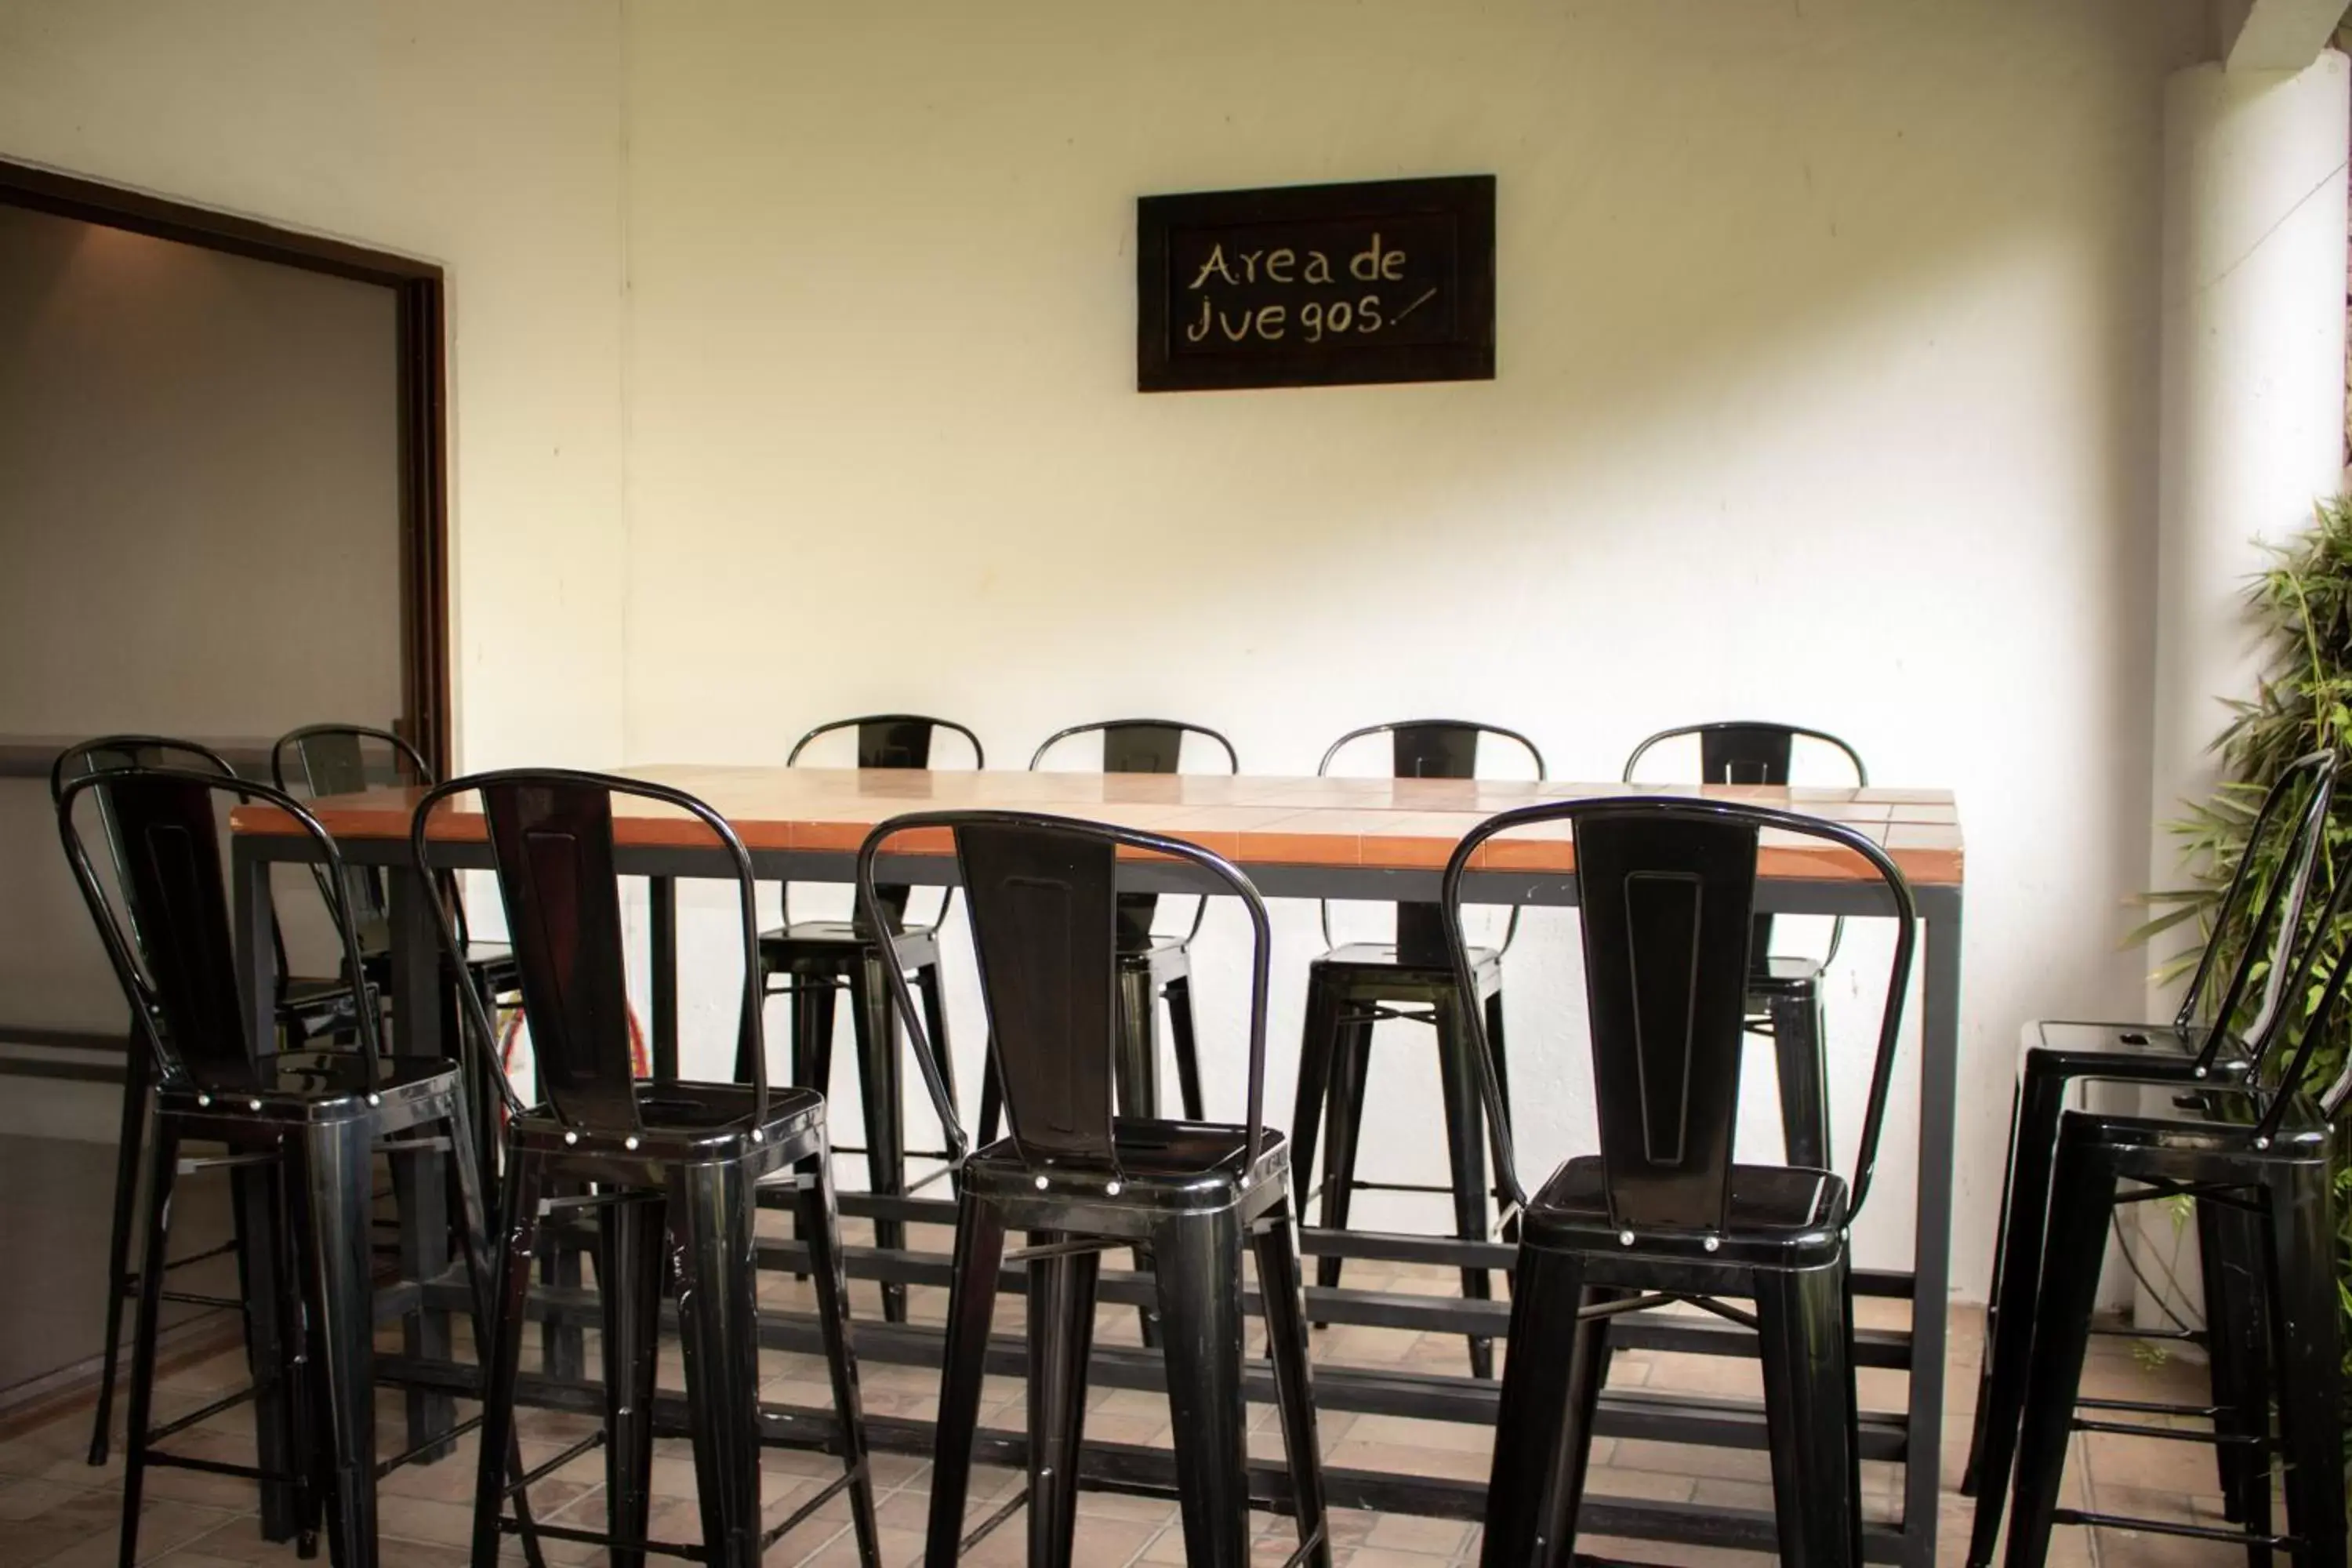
(1939, 1039)
(663, 893)
(255, 1200)
(420, 1186)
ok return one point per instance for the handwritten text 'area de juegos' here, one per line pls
(1346, 311)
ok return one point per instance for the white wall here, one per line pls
(484, 138)
(1827, 391)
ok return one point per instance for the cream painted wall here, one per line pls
(1828, 391)
(485, 137)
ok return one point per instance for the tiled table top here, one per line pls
(1384, 823)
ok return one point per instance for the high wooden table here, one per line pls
(1296, 837)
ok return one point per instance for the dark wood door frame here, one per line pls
(421, 317)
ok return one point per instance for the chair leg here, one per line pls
(963, 1363)
(267, 1278)
(1543, 1423)
(812, 1049)
(1188, 1053)
(629, 1288)
(1803, 1336)
(1800, 1055)
(1992, 1294)
(874, 1015)
(1275, 1240)
(1343, 1122)
(501, 1353)
(1136, 1068)
(334, 1185)
(819, 1222)
(711, 1217)
(2229, 1263)
(1318, 1043)
(473, 1235)
(935, 1023)
(2011, 1319)
(165, 1158)
(136, 1088)
(2307, 1332)
(2082, 1195)
(1499, 1052)
(1201, 1317)
(992, 1100)
(1061, 1336)
(1466, 1143)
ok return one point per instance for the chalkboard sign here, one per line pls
(1316, 284)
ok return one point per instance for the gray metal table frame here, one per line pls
(431, 1377)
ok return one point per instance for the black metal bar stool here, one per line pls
(673, 1166)
(1784, 991)
(1667, 889)
(1355, 985)
(816, 959)
(1044, 907)
(2259, 1151)
(307, 1008)
(302, 1126)
(2221, 1030)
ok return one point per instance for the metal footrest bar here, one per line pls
(180, 1423)
(594, 1440)
(2178, 1336)
(2170, 1434)
(610, 1542)
(839, 1484)
(2170, 1527)
(222, 1467)
(1006, 1509)
(2150, 1407)
(433, 1444)
(194, 1298)
(222, 1251)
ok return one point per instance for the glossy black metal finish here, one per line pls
(1664, 1210)
(302, 1128)
(1784, 991)
(672, 1160)
(1078, 1176)
(2255, 1147)
(1356, 985)
(305, 1007)
(1152, 966)
(2224, 1024)
(814, 960)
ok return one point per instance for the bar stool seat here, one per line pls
(322, 1085)
(1793, 1214)
(676, 1121)
(2162, 1052)
(1163, 1165)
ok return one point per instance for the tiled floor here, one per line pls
(56, 1512)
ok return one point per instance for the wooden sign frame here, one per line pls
(1246, 314)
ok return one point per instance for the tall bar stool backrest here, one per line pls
(1042, 895)
(2261, 912)
(1142, 746)
(1753, 751)
(334, 759)
(2287, 1053)
(890, 741)
(1429, 749)
(171, 948)
(550, 835)
(1667, 887)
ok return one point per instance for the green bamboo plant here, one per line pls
(2301, 605)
